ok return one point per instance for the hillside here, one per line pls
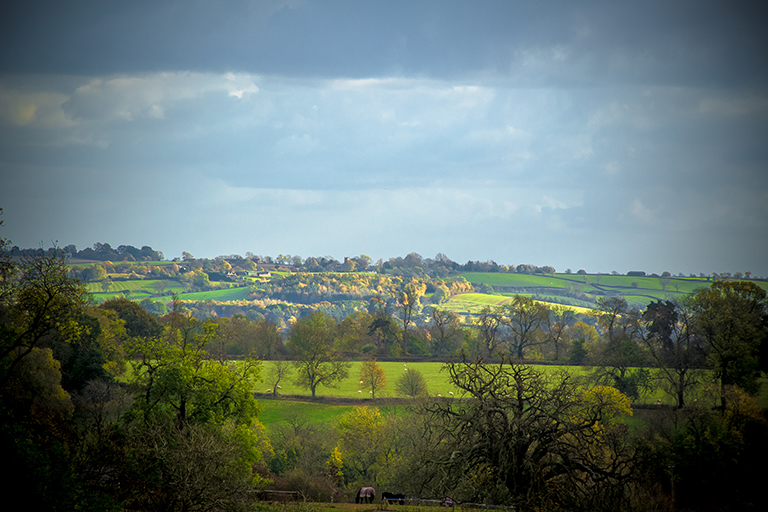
(223, 287)
(583, 290)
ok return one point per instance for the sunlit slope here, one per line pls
(583, 289)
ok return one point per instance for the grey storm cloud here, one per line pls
(558, 42)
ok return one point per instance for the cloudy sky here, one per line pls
(599, 135)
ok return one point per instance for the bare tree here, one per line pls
(277, 372)
(407, 305)
(412, 383)
(541, 438)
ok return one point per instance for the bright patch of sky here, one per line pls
(595, 135)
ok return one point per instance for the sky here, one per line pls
(597, 135)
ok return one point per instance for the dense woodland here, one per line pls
(107, 406)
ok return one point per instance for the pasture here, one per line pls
(284, 412)
(132, 289)
(334, 402)
(576, 288)
(437, 381)
(142, 288)
(434, 375)
(473, 303)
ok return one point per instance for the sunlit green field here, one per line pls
(437, 381)
(475, 302)
(140, 289)
(576, 288)
(672, 284)
(282, 411)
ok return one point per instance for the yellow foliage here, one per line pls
(335, 463)
(611, 403)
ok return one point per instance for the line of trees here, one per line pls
(99, 252)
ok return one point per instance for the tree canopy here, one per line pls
(312, 343)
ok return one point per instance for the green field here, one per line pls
(437, 381)
(300, 405)
(584, 289)
(140, 289)
(283, 412)
(473, 303)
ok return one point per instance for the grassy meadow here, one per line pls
(437, 381)
(143, 288)
(583, 289)
(473, 303)
(334, 402)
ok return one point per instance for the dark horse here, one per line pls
(393, 498)
(365, 495)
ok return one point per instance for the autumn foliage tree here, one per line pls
(362, 444)
(372, 377)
